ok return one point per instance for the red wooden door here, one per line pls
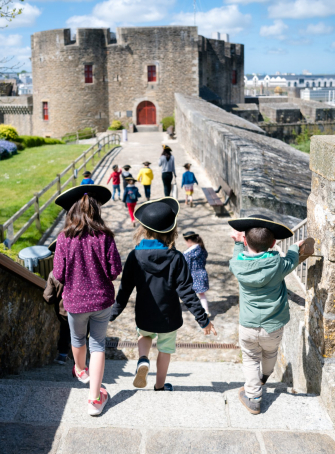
(146, 113)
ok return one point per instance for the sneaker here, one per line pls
(61, 358)
(166, 387)
(264, 379)
(142, 370)
(95, 407)
(251, 404)
(83, 376)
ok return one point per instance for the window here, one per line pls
(288, 84)
(301, 81)
(330, 84)
(325, 84)
(319, 84)
(295, 84)
(45, 111)
(307, 84)
(152, 73)
(234, 77)
(88, 74)
(313, 84)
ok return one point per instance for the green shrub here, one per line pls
(8, 132)
(36, 141)
(168, 121)
(8, 252)
(19, 145)
(116, 125)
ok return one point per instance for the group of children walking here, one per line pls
(87, 261)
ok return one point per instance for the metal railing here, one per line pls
(101, 146)
(75, 137)
(300, 233)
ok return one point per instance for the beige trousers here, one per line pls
(258, 347)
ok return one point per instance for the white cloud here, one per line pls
(318, 29)
(276, 51)
(276, 30)
(301, 9)
(10, 41)
(246, 2)
(29, 14)
(112, 12)
(299, 42)
(226, 19)
(15, 59)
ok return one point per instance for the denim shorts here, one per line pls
(98, 327)
(166, 342)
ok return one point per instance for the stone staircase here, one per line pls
(44, 411)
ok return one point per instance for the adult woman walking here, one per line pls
(166, 161)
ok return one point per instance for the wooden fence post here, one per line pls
(93, 158)
(99, 150)
(84, 161)
(59, 186)
(2, 234)
(74, 174)
(37, 210)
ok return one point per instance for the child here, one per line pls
(53, 295)
(87, 178)
(188, 181)
(86, 262)
(115, 175)
(130, 197)
(125, 174)
(264, 309)
(161, 276)
(195, 257)
(145, 177)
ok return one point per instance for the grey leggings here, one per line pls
(98, 327)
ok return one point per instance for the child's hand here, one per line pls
(237, 236)
(299, 243)
(209, 328)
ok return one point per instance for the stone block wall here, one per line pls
(18, 112)
(263, 173)
(58, 67)
(217, 61)
(29, 327)
(280, 112)
(174, 52)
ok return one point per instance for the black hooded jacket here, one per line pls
(161, 276)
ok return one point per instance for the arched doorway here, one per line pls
(146, 113)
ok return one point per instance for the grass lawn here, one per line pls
(28, 172)
(304, 146)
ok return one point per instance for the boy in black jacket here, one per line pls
(161, 276)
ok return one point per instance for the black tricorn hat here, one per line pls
(130, 178)
(52, 246)
(189, 234)
(280, 231)
(126, 166)
(146, 163)
(166, 147)
(71, 196)
(159, 215)
(87, 173)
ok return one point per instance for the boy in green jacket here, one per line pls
(264, 308)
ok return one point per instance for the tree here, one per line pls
(8, 11)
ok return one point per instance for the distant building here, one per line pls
(290, 81)
(318, 95)
(25, 89)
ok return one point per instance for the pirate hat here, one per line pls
(166, 147)
(146, 163)
(126, 167)
(280, 231)
(189, 234)
(71, 196)
(159, 215)
(130, 178)
(87, 173)
(52, 246)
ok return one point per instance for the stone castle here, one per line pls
(98, 76)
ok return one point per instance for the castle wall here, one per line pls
(18, 112)
(217, 60)
(174, 51)
(58, 74)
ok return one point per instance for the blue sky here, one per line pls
(279, 35)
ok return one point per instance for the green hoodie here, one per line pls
(263, 294)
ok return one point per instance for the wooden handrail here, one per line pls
(9, 265)
(107, 140)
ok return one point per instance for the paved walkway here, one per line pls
(223, 293)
